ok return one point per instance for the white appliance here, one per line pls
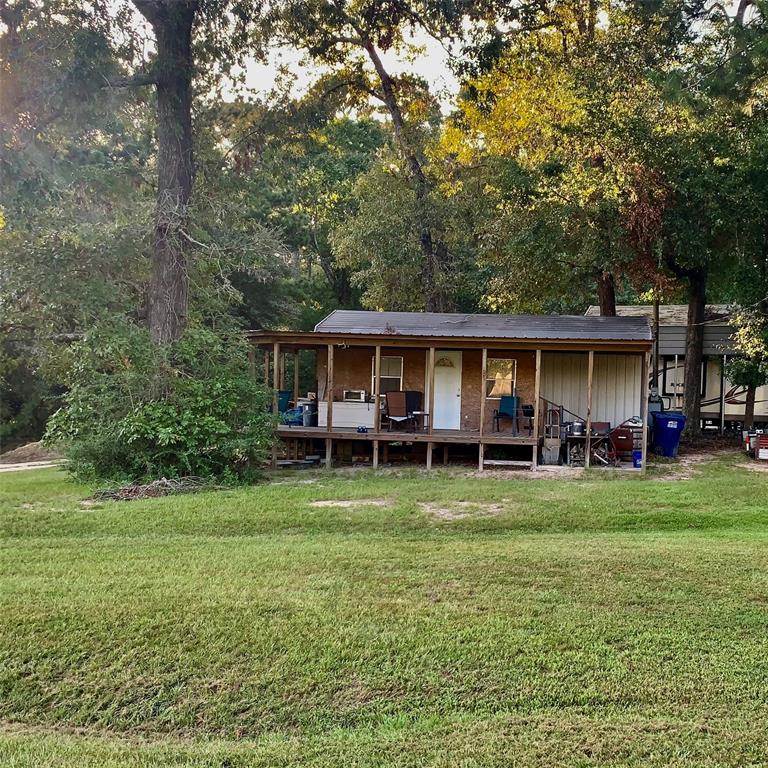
(355, 396)
(346, 415)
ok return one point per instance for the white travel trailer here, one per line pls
(722, 403)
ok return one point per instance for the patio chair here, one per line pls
(507, 410)
(401, 408)
(527, 414)
(283, 400)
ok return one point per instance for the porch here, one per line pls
(460, 383)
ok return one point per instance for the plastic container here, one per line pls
(309, 414)
(667, 428)
(637, 459)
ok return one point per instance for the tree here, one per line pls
(172, 23)
(222, 30)
(716, 201)
(555, 103)
(350, 38)
(171, 74)
(294, 163)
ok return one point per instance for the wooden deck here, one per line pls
(441, 436)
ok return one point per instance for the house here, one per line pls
(562, 368)
(722, 403)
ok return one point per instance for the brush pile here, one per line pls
(162, 487)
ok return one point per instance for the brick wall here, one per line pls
(352, 370)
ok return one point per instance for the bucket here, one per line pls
(637, 459)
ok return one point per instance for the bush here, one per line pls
(138, 411)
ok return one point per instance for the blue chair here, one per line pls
(507, 410)
(283, 398)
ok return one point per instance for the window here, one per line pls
(391, 374)
(500, 377)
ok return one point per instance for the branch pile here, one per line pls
(155, 489)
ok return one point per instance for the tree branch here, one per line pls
(132, 81)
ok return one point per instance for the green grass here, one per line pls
(547, 622)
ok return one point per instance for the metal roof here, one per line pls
(436, 324)
(669, 314)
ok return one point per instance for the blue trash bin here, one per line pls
(667, 428)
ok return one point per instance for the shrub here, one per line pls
(138, 411)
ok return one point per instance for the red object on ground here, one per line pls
(762, 447)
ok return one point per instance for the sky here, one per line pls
(432, 65)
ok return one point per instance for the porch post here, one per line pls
(431, 378)
(329, 403)
(329, 389)
(275, 377)
(252, 361)
(377, 392)
(536, 410)
(275, 387)
(295, 377)
(266, 367)
(430, 446)
(644, 412)
(480, 457)
(722, 394)
(588, 440)
(484, 374)
(282, 370)
(375, 454)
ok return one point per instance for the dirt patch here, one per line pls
(684, 468)
(463, 510)
(303, 481)
(29, 452)
(554, 472)
(350, 503)
(755, 466)
(29, 465)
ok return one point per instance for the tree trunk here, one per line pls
(749, 407)
(606, 293)
(172, 22)
(694, 350)
(10, 61)
(433, 252)
(338, 279)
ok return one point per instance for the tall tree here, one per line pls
(171, 74)
(351, 37)
(172, 22)
(218, 30)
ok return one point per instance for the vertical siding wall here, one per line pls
(616, 384)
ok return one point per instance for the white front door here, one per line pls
(447, 390)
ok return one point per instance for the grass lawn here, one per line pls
(458, 621)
